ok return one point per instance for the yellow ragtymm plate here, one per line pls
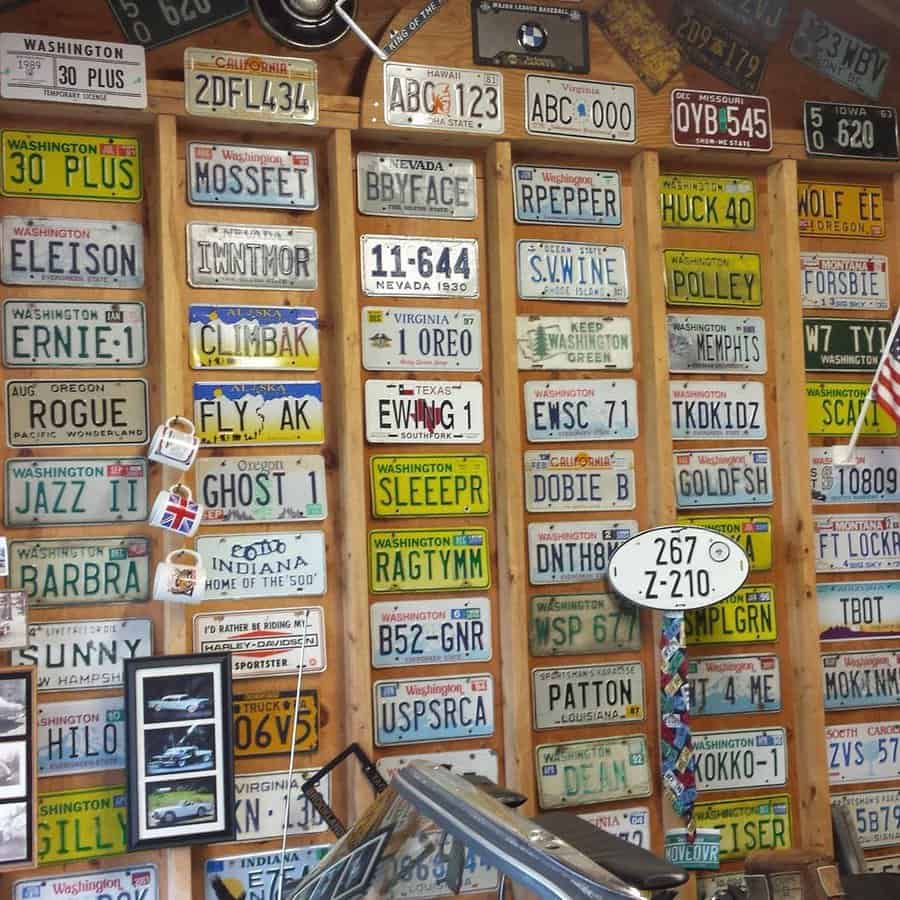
(832, 408)
(82, 823)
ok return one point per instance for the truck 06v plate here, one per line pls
(732, 477)
(461, 762)
(858, 610)
(721, 121)
(418, 710)
(264, 722)
(712, 278)
(77, 334)
(60, 491)
(395, 266)
(81, 736)
(581, 410)
(82, 824)
(850, 130)
(742, 759)
(553, 195)
(579, 481)
(747, 616)
(601, 770)
(861, 680)
(558, 343)
(551, 270)
(863, 751)
(710, 202)
(832, 408)
(137, 883)
(857, 543)
(573, 696)
(431, 632)
(574, 552)
(721, 345)
(752, 533)
(872, 476)
(726, 685)
(576, 108)
(72, 252)
(844, 281)
(844, 345)
(632, 824)
(260, 875)
(841, 210)
(748, 824)
(259, 805)
(876, 814)
(714, 410)
(581, 624)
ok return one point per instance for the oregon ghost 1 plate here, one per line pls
(311, 24)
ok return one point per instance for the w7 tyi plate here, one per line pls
(844, 345)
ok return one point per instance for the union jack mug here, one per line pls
(176, 510)
(179, 581)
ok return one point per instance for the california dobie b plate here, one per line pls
(579, 480)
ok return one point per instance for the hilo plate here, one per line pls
(863, 751)
(741, 759)
(632, 824)
(79, 736)
(876, 814)
(136, 883)
(578, 272)
(555, 195)
(581, 624)
(731, 685)
(858, 610)
(748, 824)
(581, 410)
(263, 873)
(832, 408)
(721, 121)
(861, 680)
(718, 410)
(585, 343)
(871, 476)
(867, 543)
(589, 480)
(850, 130)
(706, 479)
(752, 533)
(52, 252)
(747, 616)
(844, 345)
(83, 823)
(721, 345)
(707, 202)
(713, 278)
(574, 552)
(463, 762)
(264, 723)
(844, 281)
(146, 23)
(259, 805)
(841, 210)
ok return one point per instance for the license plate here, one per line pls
(259, 805)
(710, 410)
(753, 533)
(632, 825)
(550, 270)
(764, 18)
(875, 864)
(252, 257)
(579, 480)
(844, 281)
(260, 874)
(95, 73)
(263, 564)
(748, 824)
(254, 177)
(76, 412)
(733, 477)
(839, 55)
(137, 883)
(148, 23)
(240, 489)
(419, 339)
(712, 278)
(72, 252)
(861, 680)
(876, 814)
(863, 751)
(852, 610)
(844, 345)
(67, 491)
(254, 337)
(850, 130)
(420, 485)
(440, 412)
(554, 195)
(66, 166)
(467, 101)
(708, 887)
(574, 552)
(574, 696)
(747, 616)
(721, 121)
(841, 210)
(81, 570)
(873, 476)
(395, 266)
(581, 624)
(421, 187)
(577, 773)
(263, 414)
(264, 723)
(583, 410)
(431, 632)
(832, 408)
(740, 759)
(85, 655)
(81, 736)
(13, 619)
(406, 711)
(433, 559)
(461, 762)
(712, 203)
(724, 345)
(428, 877)
(561, 343)
(77, 334)
(857, 543)
(725, 685)
(82, 824)
(272, 89)
(588, 110)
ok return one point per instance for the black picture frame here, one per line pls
(180, 750)
(18, 767)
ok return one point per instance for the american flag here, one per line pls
(887, 378)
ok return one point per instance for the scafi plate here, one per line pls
(581, 410)
(748, 824)
(708, 202)
(574, 552)
(422, 187)
(861, 680)
(253, 177)
(419, 710)
(600, 770)
(631, 824)
(721, 345)
(844, 345)
(428, 632)
(257, 874)
(858, 610)
(863, 751)
(869, 543)
(253, 337)
(747, 616)
(461, 762)
(841, 210)
(740, 759)
(713, 278)
(83, 823)
(259, 805)
(61, 491)
(727, 477)
(574, 696)
(52, 252)
(581, 624)
(832, 408)
(78, 736)
(726, 685)
(579, 480)
(586, 273)
(752, 533)
(555, 195)
(263, 564)
(872, 476)
(558, 343)
(264, 723)
(850, 130)
(714, 410)
(136, 883)
(844, 281)
(876, 814)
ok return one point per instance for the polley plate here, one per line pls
(869, 543)
(731, 685)
(721, 121)
(259, 805)
(861, 680)
(850, 130)
(78, 736)
(713, 278)
(863, 751)
(747, 616)
(134, 883)
(841, 210)
(708, 202)
(871, 476)
(844, 281)
(589, 480)
(574, 552)
(582, 624)
(462, 762)
(858, 610)
(553, 270)
(876, 814)
(720, 345)
(560, 343)
(581, 410)
(718, 410)
(844, 345)
(740, 759)
(832, 408)
(555, 195)
(727, 477)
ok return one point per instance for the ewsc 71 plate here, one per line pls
(581, 410)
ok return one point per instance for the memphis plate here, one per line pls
(577, 108)
(559, 343)
(861, 680)
(574, 552)
(876, 814)
(740, 759)
(582, 624)
(553, 195)
(551, 270)
(872, 476)
(747, 823)
(714, 410)
(721, 345)
(732, 477)
(854, 610)
(864, 543)
(582, 410)
(726, 685)
(863, 751)
(844, 281)
(579, 480)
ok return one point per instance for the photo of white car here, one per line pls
(178, 812)
(179, 703)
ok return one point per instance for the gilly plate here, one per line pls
(82, 824)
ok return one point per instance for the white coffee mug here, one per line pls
(175, 443)
(180, 582)
(176, 510)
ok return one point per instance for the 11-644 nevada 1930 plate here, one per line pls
(419, 266)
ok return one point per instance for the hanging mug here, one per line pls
(175, 443)
(176, 510)
(179, 582)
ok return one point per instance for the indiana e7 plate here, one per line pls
(726, 345)
(712, 278)
(260, 874)
(574, 552)
(872, 476)
(726, 685)
(579, 481)
(730, 477)
(841, 210)
(558, 343)
(81, 736)
(709, 202)
(575, 108)
(844, 281)
(581, 624)
(844, 345)
(861, 680)
(707, 119)
(419, 266)
(713, 410)
(742, 759)
(553, 195)
(863, 751)
(583, 410)
(264, 723)
(852, 610)
(747, 616)
(748, 824)
(572, 271)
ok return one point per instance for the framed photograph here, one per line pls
(179, 750)
(13, 619)
(18, 769)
